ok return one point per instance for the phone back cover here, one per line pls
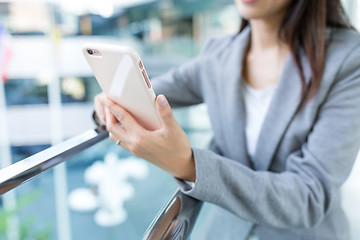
(117, 71)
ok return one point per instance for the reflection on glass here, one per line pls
(74, 88)
(78, 89)
(25, 91)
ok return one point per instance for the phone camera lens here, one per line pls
(91, 52)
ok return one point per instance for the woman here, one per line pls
(283, 98)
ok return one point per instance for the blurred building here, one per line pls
(46, 44)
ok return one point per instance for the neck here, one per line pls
(265, 33)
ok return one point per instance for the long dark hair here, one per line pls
(304, 26)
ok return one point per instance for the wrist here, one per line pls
(189, 170)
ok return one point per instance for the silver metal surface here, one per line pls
(22, 171)
(176, 220)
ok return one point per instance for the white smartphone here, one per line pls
(122, 76)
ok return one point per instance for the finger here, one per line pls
(114, 127)
(123, 116)
(110, 118)
(116, 139)
(100, 108)
(119, 141)
(164, 110)
(116, 132)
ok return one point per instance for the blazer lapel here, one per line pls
(285, 103)
(233, 108)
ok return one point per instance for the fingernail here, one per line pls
(161, 99)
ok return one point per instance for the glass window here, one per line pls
(78, 89)
(25, 91)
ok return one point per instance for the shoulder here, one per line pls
(343, 43)
(226, 44)
(340, 36)
(218, 44)
(343, 52)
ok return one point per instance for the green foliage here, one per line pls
(26, 229)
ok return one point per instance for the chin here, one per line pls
(249, 14)
(257, 9)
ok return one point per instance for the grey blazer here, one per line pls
(291, 188)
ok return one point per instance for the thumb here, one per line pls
(164, 111)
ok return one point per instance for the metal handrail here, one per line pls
(22, 171)
(175, 221)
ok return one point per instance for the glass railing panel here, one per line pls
(129, 193)
(111, 193)
(34, 210)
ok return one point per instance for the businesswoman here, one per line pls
(283, 97)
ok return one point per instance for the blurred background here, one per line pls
(46, 96)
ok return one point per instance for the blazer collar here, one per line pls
(284, 106)
(233, 110)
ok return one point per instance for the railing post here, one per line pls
(176, 220)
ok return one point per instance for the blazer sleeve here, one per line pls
(182, 85)
(301, 195)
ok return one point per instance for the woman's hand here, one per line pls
(100, 107)
(168, 147)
